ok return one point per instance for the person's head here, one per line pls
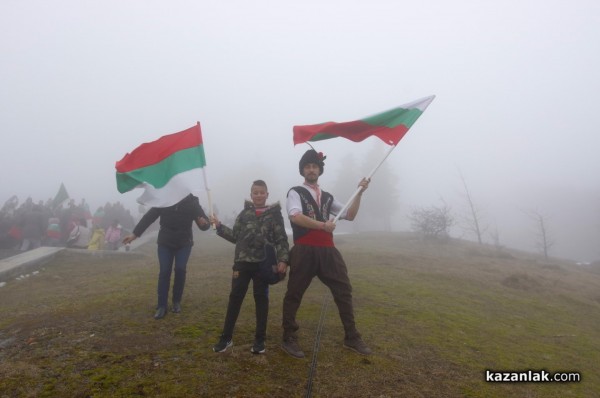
(259, 193)
(311, 165)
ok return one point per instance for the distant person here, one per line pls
(112, 238)
(256, 225)
(10, 206)
(175, 241)
(314, 254)
(80, 235)
(98, 217)
(68, 221)
(53, 231)
(85, 209)
(97, 239)
(33, 226)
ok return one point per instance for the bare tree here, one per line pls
(473, 222)
(495, 234)
(544, 239)
(432, 222)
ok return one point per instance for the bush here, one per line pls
(432, 222)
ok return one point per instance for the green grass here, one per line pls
(436, 316)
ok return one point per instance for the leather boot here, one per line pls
(160, 313)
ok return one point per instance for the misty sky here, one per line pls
(517, 84)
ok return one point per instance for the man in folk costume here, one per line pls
(314, 254)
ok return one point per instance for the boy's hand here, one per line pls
(214, 220)
(282, 267)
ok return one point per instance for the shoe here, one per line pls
(176, 308)
(356, 344)
(222, 345)
(160, 313)
(258, 347)
(290, 346)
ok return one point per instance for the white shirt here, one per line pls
(294, 203)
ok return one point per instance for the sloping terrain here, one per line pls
(436, 315)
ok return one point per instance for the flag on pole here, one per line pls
(389, 126)
(168, 169)
(60, 197)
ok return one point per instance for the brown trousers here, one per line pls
(327, 264)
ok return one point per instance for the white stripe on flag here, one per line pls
(176, 189)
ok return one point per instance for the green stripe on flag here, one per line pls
(159, 174)
(394, 117)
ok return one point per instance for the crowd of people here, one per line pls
(29, 225)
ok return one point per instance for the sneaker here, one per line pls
(176, 308)
(222, 345)
(290, 346)
(356, 344)
(258, 347)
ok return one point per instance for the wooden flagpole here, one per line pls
(206, 186)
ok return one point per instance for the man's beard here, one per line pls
(312, 178)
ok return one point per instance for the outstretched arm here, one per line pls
(222, 230)
(142, 225)
(129, 238)
(353, 209)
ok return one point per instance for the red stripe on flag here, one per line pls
(154, 152)
(355, 131)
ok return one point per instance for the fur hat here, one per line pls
(311, 156)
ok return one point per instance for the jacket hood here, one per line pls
(275, 206)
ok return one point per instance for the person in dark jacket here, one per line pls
(257, 224)
(175, 241)
(34, 227)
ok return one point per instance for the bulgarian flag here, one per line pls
(390, 126)
(168, 169)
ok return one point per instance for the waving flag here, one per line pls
(60, 197)
(389, 126)
(168, 169)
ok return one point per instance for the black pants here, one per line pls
(243, 272)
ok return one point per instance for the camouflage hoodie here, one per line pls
(250, 232)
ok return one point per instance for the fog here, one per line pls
(516, 85)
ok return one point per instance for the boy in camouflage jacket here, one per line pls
(256, 225)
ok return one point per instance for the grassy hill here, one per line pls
(436, 315)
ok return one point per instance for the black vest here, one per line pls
(311, 209)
